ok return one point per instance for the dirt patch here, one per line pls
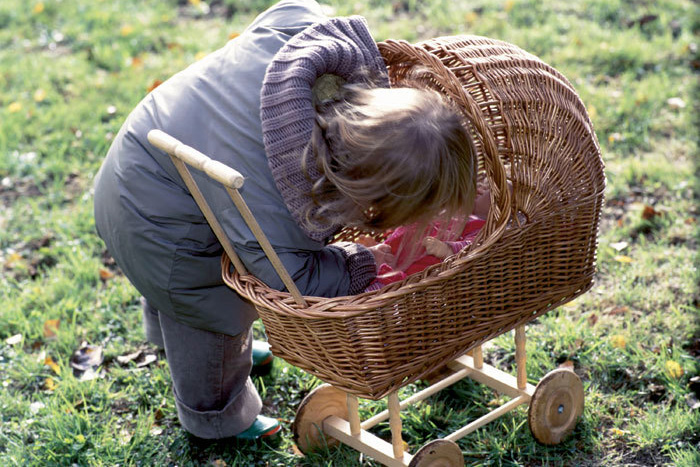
(11, 190)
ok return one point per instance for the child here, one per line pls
(370, 157)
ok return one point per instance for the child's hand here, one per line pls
(437, 248)
(383, 254)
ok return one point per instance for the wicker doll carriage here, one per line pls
(536, 252)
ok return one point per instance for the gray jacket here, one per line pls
(151, 224)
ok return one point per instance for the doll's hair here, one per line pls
(389, 157)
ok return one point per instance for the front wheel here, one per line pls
(556, 406)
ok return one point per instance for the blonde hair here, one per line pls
(389, 157)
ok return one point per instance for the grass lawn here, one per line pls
(70, 72)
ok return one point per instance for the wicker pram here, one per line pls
(536, 251)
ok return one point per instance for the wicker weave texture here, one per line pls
(536, 251)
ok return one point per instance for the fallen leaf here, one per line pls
(618, 310)
(86, 357)
(618, 432)
(136, 62)
(471, 17)
(618, 341)
(692, 401)
(147, 360)
(89, 375)
(154, 85)
(650, 213)
(674, 369)
(12, 340)
(14, 107)
(619, 246)
(592, 319)
(614, 137)
(105, 274)
(39, 95)
(49, 384)
(124, 359)
(676, 103)
(623, 259)
(48, 361)
(51, 327)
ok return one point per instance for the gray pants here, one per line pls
(214, 395)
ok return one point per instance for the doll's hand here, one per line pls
(383, 254)
(437, 248)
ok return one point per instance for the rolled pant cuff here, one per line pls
(237, 416)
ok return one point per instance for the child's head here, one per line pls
(390, 157)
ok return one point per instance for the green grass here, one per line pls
(70, 72)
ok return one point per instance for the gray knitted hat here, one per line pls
(339, 46)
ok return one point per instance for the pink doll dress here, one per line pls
(387, 275)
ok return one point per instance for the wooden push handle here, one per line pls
(182, 156)
(215, 169)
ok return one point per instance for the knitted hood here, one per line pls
(339, 46)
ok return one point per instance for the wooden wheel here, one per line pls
(438, 453)
(319, 404)
(555, 406)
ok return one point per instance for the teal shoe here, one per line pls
(262, 358)
(262, 428)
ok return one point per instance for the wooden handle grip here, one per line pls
(215, 169)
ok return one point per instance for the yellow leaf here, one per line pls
(471, 17)
(618, 341)
(14, 107)
(509, 5)
(233, 35)
(200, 55)
(194, 2)
(617, 432)
(623, 259)
(50, 384)
(50, 327)
(12, 259)
(38, 8)
(614, 137)
(48, 361)
(39, 95)
(126, 30)
(674, 369)
(592, 112)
